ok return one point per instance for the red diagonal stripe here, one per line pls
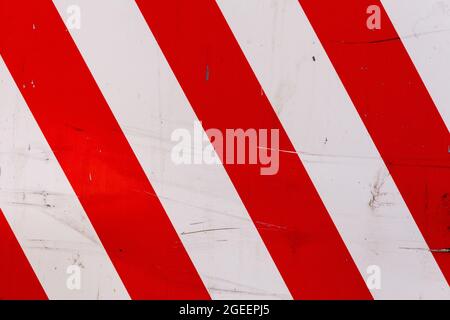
(17, 278)
(94, 153)
(396, 108)
(225, 93)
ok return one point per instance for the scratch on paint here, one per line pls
(208, 230)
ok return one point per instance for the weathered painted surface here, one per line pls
(213, 216)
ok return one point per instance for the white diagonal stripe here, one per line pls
(424, 28)
(149, 104)
(43, 210)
